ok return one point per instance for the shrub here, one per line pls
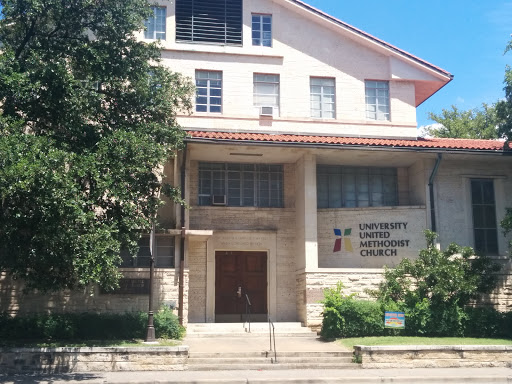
(344, 316)
(167, 325)
(484, 322)
(434, 289)
(88, 326)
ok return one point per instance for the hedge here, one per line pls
(88, 326)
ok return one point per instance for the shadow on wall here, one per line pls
(18, 361)
(23, 378)
(14, 300)
(501, 297)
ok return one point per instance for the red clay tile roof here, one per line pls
(433, 143)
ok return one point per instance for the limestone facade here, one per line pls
(301, 240)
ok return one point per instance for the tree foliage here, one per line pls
(504, 106)
(87, 118)
(435, 288)
(471, 124)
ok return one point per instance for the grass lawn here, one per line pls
(86, 343)
(402, 340)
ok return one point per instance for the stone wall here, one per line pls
(197, 282)
(434, 356)
(354, 280)
(92, 359)
(13, 300)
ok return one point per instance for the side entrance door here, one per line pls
(238, 274)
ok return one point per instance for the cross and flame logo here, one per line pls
(346, 240)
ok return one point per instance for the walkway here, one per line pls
(312, 376)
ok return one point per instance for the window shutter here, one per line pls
(209, 21)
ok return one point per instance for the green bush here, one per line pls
(344, 316)
(434, 291)
(167, 325)
(88, 326)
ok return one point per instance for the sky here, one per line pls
(466, 38)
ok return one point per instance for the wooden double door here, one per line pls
(237, 274)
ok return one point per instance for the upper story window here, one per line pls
(377, 100)
(343, 187)
(208, 91)
(164, 253)
(322, 97)
(262, 30)
(241, 185)
(209, 21)
(155, 25)
(484, 216)
(266, 90)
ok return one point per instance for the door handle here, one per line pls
(239, 292)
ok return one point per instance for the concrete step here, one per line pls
(287, 327)
(246, 334)
(251, 360)
(344, 354)
(271, 366)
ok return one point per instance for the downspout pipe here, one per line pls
(182, 239)
(433, 225)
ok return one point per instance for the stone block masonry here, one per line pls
(93, 359)
(434, 356)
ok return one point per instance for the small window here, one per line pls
(484, 217)
(155, 25)
(346, 187)
(242, 185)
(377, 100)
(262, 30)
(208, 91)
(164, 253)
(322, 98)
(266, 90)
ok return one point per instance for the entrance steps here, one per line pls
(198, 361)
(230, 346)
(291, 329)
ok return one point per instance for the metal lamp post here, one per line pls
(150, 335)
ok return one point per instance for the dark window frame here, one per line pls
(261, 41)
(345, 187)
(484, 219)
(207, 84)
(153, 35)
(143, 256)
(377, 100)
(243, 184)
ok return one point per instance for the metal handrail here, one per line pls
(272, 334)
(247, 313)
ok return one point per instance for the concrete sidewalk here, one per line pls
(261, 343)
(370, 376)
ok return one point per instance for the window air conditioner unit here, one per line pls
(219, 200)
(266, 111)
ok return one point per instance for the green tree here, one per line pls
(504, 107)
(471, 124)
(435, 288)
(87, 118)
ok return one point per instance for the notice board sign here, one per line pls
(394, 320)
